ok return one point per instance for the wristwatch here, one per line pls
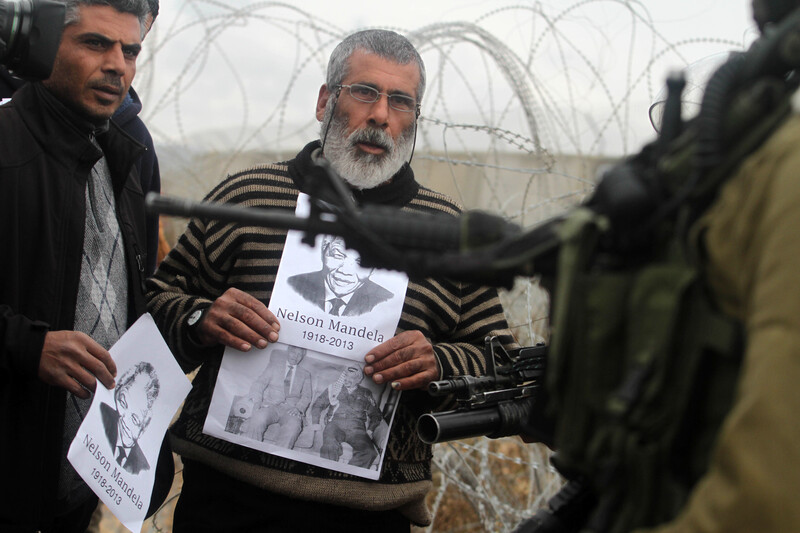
(193, 322)
(195, 317)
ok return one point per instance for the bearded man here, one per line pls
(210, 292)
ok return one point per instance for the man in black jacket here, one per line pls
(127, 118)
(72, 267)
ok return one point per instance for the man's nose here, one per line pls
(379, 112)
(114, 60)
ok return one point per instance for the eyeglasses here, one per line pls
(370, 95)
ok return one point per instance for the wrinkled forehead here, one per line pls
(337, 246)
(384, 74)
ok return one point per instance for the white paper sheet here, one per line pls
(364, 413)
(130, 420)
(305, 283)
(341, 425)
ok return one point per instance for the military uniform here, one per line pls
(752, 242)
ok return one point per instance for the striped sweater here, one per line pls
(212, 256)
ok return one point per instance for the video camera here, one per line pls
(30, 33)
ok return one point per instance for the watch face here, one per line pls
(194, 317)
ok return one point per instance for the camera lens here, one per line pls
(6, 23)
(11, 18)
(30, 31)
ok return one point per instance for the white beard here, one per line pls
(362, 170)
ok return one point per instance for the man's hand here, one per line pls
(238, 320)
(406, 361)
(71, 359)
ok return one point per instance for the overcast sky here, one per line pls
(576, 75)
(697, 17)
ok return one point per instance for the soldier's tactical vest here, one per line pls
(641, 372)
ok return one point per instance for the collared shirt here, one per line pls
(330, 296)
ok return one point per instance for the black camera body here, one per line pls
(30, 33)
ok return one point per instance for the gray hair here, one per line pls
(383, 43)
(153, 7)
(139, 8)
(153, 386)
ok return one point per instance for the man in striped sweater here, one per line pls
(211, 291)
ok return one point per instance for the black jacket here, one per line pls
(45, 159)
(127, 118)
(8, 83)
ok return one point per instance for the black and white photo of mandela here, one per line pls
(124, 423)
(342, 287)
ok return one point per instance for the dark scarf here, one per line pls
(398, 191)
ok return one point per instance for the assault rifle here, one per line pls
(501, 403)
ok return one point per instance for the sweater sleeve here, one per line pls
(456, 317)
(185, 282)
(212, 256)
(461, 351)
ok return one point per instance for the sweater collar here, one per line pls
(398, 191)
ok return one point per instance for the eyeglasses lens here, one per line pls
(368, 95)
